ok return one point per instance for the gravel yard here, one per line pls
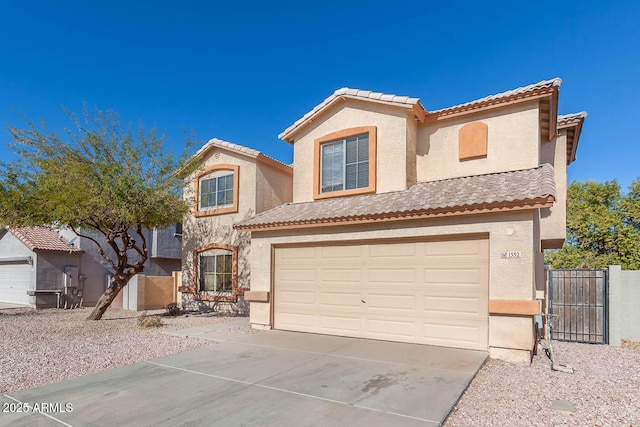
(41, 347)
(46, 346)
(604, 390)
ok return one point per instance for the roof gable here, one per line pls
(545, 89)
(405, 102)
(238, 149)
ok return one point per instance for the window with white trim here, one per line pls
(216, 270)
(344, 164)
(216, 190)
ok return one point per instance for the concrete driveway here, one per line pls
(272, 378)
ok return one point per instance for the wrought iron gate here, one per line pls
(579, 305)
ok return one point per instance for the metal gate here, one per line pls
(579, 305)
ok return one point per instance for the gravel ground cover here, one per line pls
(604, 390)
(45, 346)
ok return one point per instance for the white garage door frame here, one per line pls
(420, 294)
(16, 280)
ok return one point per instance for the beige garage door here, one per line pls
(428, 292)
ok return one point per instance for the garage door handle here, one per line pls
(363, 301)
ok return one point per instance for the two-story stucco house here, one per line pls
(233, 184)
(407, 224)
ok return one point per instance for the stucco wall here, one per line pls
(412, 142)
(12, 247)
(164, 243)
(201, 231)
(624, 299)
(508, 278)
(553, 222)
(391, 126)
(50, 274)
(513, 143)
(274, 187)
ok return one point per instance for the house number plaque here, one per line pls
(511, 255)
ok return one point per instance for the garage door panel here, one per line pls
(390, 302)
(308, 253)
(337, 275)
(297, 320)
(341, 323)
(340, 299)
(297, 275)
(455, 306)
(454, 275)
(297, 297)
(456, 248)
(392, 275)
(453, 335)
(421, 292)
(341, 252)
(390, 328)
(393, 250)
(15, 281)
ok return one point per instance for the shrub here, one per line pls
(173, 309)
(147, 321)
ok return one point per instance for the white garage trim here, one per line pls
(418, 291)
(15, 282)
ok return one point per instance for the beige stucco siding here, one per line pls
(508, 278)
(412, 141)
(391, 123)
(513, 143)
(206, 230)
(553, 220)
(274, 187)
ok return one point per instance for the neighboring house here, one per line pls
(42, 267)
(39, 267)
(405, 224)
(233, 184)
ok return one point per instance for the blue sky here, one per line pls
(244, 71)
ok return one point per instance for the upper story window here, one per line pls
(217, 190)
(345, 163)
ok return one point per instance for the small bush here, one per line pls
(173, 309)
(147, 321)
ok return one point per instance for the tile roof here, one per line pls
(571, 119)
(345, 92)
(415, 104)
(215, 142)
(43, 238)
(573, 124)
(523, 188)
(514, 93)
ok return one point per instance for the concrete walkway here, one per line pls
(272, 378)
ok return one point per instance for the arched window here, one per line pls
(216, 189)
